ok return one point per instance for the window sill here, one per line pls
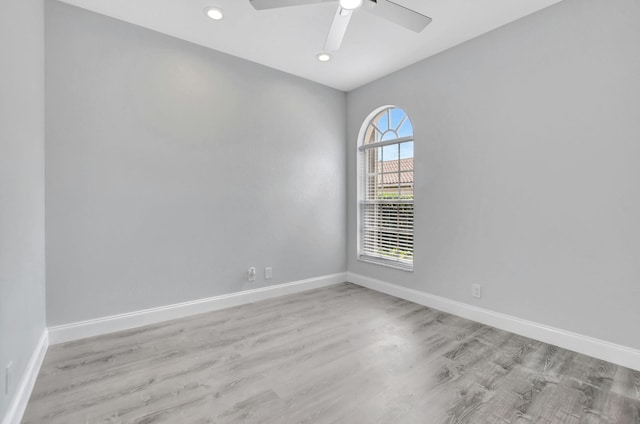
(387, 263)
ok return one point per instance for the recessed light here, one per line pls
(214, 13)
(323, 57)
(350, 4)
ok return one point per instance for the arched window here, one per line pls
(386, 188)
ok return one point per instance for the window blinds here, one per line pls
(386, 201)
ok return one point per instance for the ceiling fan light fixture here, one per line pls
(323, 57)
(214, 13)
(350, 4)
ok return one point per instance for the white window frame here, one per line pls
(361, 191)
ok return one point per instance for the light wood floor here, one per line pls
(342, 354)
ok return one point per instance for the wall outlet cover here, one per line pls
(476, 291)
(251, 274)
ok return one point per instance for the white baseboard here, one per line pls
(611, 352)
(110, 324)
(23, 393)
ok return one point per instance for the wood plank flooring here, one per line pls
(342, 354)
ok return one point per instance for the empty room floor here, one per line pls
(341, 354)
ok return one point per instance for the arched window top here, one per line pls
(391, 123)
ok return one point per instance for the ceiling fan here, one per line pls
(386, 9)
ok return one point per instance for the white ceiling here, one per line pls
(289, 38)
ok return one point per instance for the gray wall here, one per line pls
(22, 292)
(172, 168)
(527, 169)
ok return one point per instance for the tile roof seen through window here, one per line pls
(390, 172)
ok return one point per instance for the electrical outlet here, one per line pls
(7, 378)
(251, 274)
(268, 273)
(476, 291)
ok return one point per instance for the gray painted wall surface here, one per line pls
(22, 291)
(172, 168)
(527, 169)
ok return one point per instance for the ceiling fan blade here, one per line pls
(338, 28)
(400, 15)
(274, 4)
